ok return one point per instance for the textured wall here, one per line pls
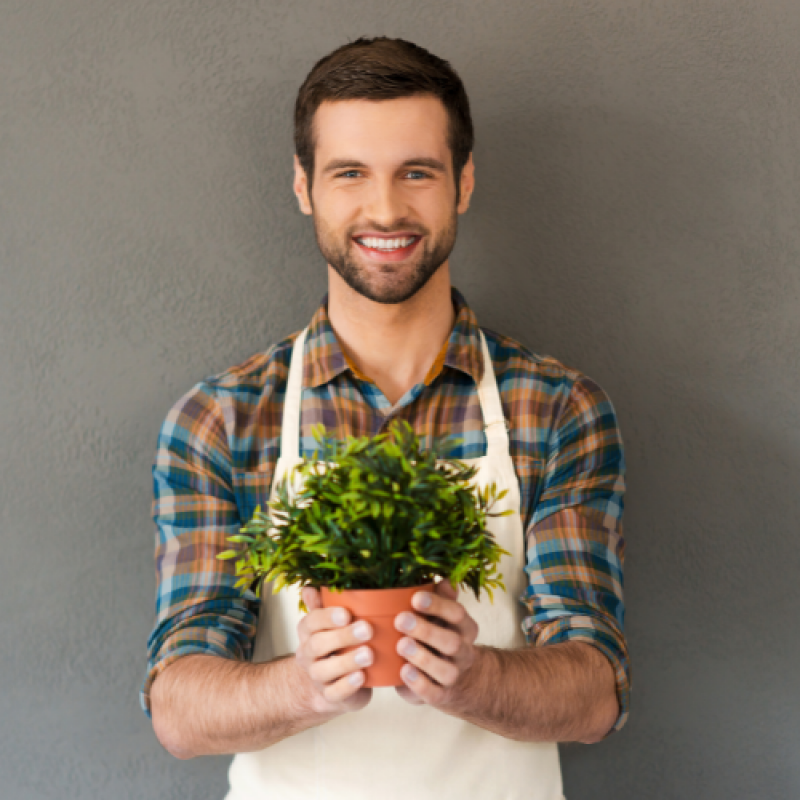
(636, 216)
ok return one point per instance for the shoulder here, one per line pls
(543, 386)
(256, 373)
(517, 367)
(223, 405)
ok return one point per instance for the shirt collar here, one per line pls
(325, 358)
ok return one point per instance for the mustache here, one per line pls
(397, 227)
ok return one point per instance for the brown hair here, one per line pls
(382, 69)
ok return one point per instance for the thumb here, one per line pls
(311, 598)
(444, 587)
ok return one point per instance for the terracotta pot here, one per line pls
(379, 607)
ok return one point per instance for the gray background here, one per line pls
(636, 216)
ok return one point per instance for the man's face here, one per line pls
(384, 196)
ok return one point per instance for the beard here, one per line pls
(396, 282)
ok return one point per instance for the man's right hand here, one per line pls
(335, 677)
(203, 704)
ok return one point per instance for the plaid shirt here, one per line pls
(219, 445)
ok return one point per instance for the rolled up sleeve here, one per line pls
(574, 543)
(198, 608)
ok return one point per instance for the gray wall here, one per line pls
(636, 216)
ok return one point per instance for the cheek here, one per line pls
(338, 209)
(437, 209)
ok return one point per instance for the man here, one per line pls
(384, 165)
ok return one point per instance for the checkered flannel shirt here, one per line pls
(219, 445)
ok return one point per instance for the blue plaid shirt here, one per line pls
(219, 445)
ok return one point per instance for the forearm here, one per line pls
(558, 693)
(206, 705)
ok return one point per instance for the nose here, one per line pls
(386, 205)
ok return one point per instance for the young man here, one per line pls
(384, 165)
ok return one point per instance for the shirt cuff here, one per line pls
(605, 638)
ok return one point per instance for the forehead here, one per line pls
(377, 130)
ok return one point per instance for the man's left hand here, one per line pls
(440, 647)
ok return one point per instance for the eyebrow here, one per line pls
(350, 163)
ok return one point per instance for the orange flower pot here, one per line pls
(379, 607)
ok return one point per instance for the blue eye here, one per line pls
(350, 173)
(418, 174)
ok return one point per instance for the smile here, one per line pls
(386, 245)
(385, 249)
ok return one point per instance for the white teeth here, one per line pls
(385, 244)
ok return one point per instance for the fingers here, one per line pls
(409, 696)
(442, 607)
(438, 644)
(345, 693)
(444, 640)
(327, 670)
(442, 670)
(322, 619)
(337, 677)
(421, 686)
(324, 643)
(434, 604)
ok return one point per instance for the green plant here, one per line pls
(373, 513)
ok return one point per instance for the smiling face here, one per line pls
(383, 197)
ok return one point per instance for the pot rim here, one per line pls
(373, 601)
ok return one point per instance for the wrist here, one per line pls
(310, 705)
(300, 689)
(476, 679)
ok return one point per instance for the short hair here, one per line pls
(382, 69)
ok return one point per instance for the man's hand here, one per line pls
(439, 646)
(206, 705)
(335, 678)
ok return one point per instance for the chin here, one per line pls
(392, 294)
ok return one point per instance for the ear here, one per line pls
(467, 185)
(301, 187)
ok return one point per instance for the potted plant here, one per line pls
(376, 520)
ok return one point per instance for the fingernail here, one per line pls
(363, 657)
(362, 631)
(407, 622)
(423, 599)
(339, 617)
(411, 674)
(356, 678)
(408, 647)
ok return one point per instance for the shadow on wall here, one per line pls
(651, 261)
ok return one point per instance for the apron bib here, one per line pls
(391, 750)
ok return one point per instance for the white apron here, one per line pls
(392, 750)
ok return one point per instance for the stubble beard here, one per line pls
(399, 281)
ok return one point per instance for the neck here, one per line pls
(393, 345)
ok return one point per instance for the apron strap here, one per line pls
(290, 428)
(494, 421)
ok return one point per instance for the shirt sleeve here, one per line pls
(575, 544)
(198, 610)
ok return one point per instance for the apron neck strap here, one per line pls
(290, 429)
(494, 421)
(489, 395)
